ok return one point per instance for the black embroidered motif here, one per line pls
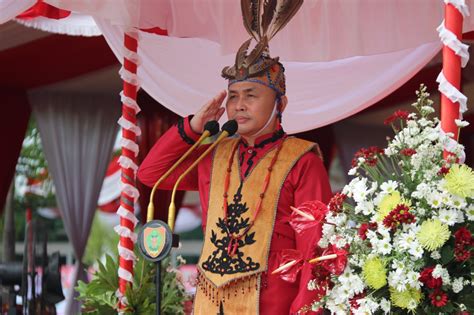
(220, 261)
(221, 309)
(250, 163)
(182, 133)
(276, 135)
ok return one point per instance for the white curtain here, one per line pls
(77, 134)
(11, 8)
(183, 73)
(322, 30)
(74, 25)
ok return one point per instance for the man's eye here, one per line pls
(231, 97)
(251, 95)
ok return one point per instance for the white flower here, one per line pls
(427, 109)
(416, 250)
(352, 171)
(422, 191)
(437, 271)
(413, 281)
(397, 279)
(461, 123)
(449, 217)
(385, 305)
(470, 212)
(390, 151)
(457, 202)
(457, 285)
(412, 304)
(435, 255)
(382, 246)
(356, 284)
(323, 242)
(328, 229)
(366, 207)
(366, 306)
(389, 187)
(434, 200)
(440, 272)
(312, 285)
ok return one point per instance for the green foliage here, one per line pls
(101, 240)
(98, 296)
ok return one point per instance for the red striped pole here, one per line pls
(452, 71)
(127, 161)
(455, 56)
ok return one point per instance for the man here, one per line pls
(247, 186)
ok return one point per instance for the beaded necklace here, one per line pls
(234, 239)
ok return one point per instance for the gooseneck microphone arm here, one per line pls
(210, 128)
(228, 129)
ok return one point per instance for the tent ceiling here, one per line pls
(48, 59)
(33, 59)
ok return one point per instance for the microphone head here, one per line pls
(212, 126)
(230, 127)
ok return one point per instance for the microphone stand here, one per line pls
(156, 238)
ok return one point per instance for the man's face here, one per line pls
(250, 104)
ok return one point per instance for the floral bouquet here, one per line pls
(406, 221)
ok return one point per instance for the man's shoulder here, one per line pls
(312, 148)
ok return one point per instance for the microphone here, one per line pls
(228, 129)
(210, 128)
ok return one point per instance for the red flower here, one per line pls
(461, 254)
(354, 301)
(401, 214)
(399, 114)
(463, 236)
(369, 155)
(408, 151)
(309, 214)
(439, 298)
(426, 276)
(364, 227)
(336, 265)
(443, 171)
(335, 204)
(463, 242)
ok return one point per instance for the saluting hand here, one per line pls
(212, 110)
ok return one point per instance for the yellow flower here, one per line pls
(388, 203)
(433, 234)
(460, 181)
(408, 299)
(375, 274)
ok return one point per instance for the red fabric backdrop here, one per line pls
(12, 131)
(154, 120)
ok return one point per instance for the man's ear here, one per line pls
(283, 103)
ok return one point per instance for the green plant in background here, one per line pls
(99, 297)
(102, 239)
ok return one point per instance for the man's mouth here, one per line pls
(241, 119)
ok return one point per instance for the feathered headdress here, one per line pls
(263, 19)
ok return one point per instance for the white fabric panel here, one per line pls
(183, 73)
(110, 188)
(74, 25)
(11, 8)
(322, 30)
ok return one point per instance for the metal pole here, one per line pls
(158, 288)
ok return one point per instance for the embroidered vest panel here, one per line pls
(227, 274)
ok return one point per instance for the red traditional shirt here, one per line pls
(306, 181)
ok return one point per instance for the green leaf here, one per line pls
(447, 254)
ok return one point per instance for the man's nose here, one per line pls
(240, 106)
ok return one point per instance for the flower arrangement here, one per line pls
(406, 221)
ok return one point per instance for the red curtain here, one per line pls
(16, 114)
(154, 120)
